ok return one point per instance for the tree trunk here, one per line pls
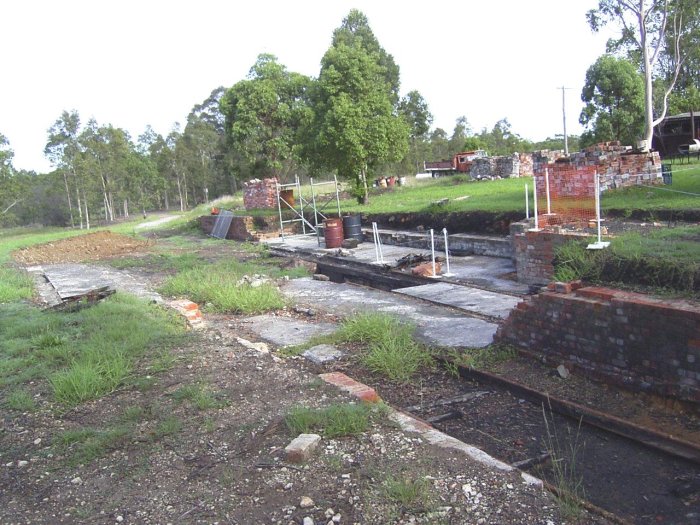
(648, 88)
(167, 202)
(80, 205)
(87, 212)
(126, 208)
(365, 189)
(70, 204)
(143, 207)
(179, 192)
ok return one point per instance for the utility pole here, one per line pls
(563, 113)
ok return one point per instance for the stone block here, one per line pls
(301, 448)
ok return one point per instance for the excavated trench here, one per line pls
(634, 473)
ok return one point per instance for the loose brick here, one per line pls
(351, 386)
(301, 448)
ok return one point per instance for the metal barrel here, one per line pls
(333, 232)
(352, 227)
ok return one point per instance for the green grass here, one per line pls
(20, 400)
(333, 421)
(82, 354)
(686, 178)
(411, 493)
(198, 395)
(497, 196)
(216, 285)
(169, 426)
(390, 349)
(480, 357)
(83, 445)
(667, 258)
(162, 261)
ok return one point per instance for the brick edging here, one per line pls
(431, 435)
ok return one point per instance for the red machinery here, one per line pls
(460, 163)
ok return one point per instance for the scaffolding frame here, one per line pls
(297, 207)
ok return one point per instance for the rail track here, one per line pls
(634, 474)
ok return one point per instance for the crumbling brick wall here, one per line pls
(615, 164)
(526, 164)
(621, 338)
(503, 167)
(260, 194)
(534, 252)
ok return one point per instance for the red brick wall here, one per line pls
(534, 253)
(618, 337)
(260, 194)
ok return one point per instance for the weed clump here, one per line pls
(390, 348)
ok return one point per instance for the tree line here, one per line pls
(350, 120)
(651, 70)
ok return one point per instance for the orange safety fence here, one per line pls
(571, 194)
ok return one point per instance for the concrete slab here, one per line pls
(464, 298)
(320, 354)
(487, 272)
(435, 325)
(73, 279)
(285, 331)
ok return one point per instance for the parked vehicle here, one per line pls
(460, 163)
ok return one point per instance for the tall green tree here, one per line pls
(355, 125)
(355, 30)
(614, 96)
(501, 140)
(414, 110)
(62, 150)
(10, 188)
(648, 27)
(263, 113)
(461, 131)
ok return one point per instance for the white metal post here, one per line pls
(527, 202)
(432, 251)
(600, 244)
(447, 255)
(546, 187)
(534, 199)
(597, 204)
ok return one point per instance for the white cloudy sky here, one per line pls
(132, 63)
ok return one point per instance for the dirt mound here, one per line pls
(90, 247)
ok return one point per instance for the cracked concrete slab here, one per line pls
(435, 325)
(320, 354)
(465, 298)
(286, 331)
(480, 270)
(69, 280)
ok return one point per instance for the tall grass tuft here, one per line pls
(333, 421)
(390, 347)
(218, 286)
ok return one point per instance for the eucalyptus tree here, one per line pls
(262, 115)
(62, 150)
(414, 110)
(649, 28)
(10, 192)
(355, 124)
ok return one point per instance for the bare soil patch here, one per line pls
(90, 247)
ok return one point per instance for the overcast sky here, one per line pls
(133, 63)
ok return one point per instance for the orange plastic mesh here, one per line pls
(571, 194)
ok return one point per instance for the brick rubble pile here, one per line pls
(617, 165)
(503, 167)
